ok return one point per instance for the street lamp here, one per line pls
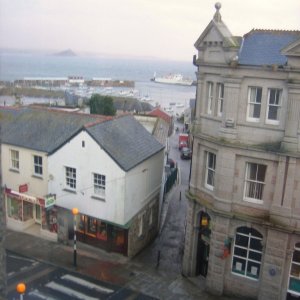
(75, 213)
(21, 288)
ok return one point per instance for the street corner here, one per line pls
(106, 271)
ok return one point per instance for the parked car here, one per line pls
(186, 153)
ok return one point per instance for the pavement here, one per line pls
(140, 273)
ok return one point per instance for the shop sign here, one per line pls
(49, 201)
(23, 188)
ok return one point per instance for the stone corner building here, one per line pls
(243, 223)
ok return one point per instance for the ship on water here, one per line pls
(173, 79)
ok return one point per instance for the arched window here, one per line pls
(294, 278)
(247, 253)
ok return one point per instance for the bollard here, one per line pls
(180, 196)
(158, 259)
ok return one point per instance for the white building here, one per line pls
(108, 168)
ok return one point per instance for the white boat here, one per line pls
(172, 79)
(179, 105)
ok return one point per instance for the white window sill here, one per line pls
(98, 197)
(14, 170)
(70, 190)
(251, 200)
(38, 176)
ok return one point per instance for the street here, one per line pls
(45, 281)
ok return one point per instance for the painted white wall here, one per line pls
(88, 160)
(142, 184)
(37, 185)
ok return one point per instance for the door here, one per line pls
(38, 214)
(202, 258)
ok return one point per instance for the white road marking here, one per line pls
(87, 284)
(36, 293)
(68, 291)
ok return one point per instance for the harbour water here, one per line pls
(15, 66)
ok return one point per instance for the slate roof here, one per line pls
(262, 47)
(126, 141)
(124, 138)
(40, 130)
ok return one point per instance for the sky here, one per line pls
(165, 29)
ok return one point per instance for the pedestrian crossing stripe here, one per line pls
(68, 291)
(87, 284)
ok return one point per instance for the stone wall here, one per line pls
(2, 249)
(137, 242)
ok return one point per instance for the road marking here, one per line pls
(21, 258)
(68, 291)
(32, 278)
(87, 284)
(36, 293)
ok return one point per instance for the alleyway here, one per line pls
(167, 250)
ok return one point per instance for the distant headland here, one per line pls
(67, 52)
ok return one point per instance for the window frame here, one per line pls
(278, 106)
(210, 87)
(209, 169)
(256, 183)
(253, 235)
(220, 100)
(293, 277)
(37, 165)
(69, 179)
(251, 103)
(14, 161)
(99, 184)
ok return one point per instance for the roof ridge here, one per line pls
(261, 30)
(91, 124)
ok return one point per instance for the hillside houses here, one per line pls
(108, 168)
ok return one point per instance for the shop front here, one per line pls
(24, 211)
(102, 234)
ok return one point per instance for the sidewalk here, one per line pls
(139, 273)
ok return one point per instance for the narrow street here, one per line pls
(166, 251)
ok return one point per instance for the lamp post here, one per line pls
(21, 288)
(75, 213)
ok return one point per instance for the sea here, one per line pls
(173, 98)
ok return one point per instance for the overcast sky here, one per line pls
(146, 28)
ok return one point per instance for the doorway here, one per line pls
(37, 214)
(203, 243)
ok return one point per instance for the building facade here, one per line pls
(243, 230)
(108, 168)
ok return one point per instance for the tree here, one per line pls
(102, 105)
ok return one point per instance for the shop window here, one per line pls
(14, 160)
(294, 276)
(27, 211)
(71, 178)
(246, 259)
(38, 165)
(102, 231)
(91, 226)
(14, 208)
(81, 224)
(119, 236)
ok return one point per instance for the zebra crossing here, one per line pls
(46, 282)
